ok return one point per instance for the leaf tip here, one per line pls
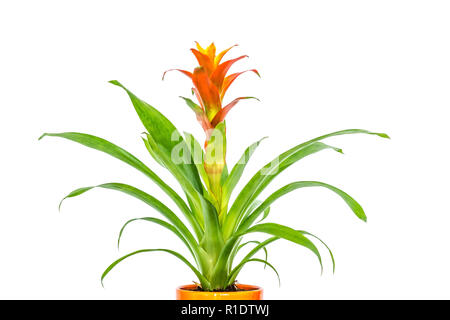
(43, 135)
(118, 240)
(384, 135)
(116, 83)
(60, 203)
(103, 277)
(361, 214)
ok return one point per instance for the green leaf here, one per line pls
(165, 135)
(204, 211)
(161, 223)
(198, 156)
(266, 214)
(224, 176)
(325, 245)
(255, 242)
(123, 155)
(74, 193)
(355, 206)
(259, 181)
(238, 269)
(151, 201)
(238, 247)
(255, 204)
(191, 104)
(262, 245)
(279, 231)
(204, 282)
(152, 152)
(237, 171)
(262, 178)
(215, 159)
(349, 131)
(287, 234)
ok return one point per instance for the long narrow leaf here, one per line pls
(202, 208)
(238, 269)
(237, 171)
(278, 231)
(325, 245)
(237, 247)
(165, 134)
(152, 152)
(204, 282)
(287, 234)
(151, 201)
(263, 245)
(197, 156)
(355, 206)
(161, 223)
(261, 179)
(194, 197)
(255, 242)
(123, 155)
(252, 208)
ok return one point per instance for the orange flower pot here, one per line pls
(248, 293)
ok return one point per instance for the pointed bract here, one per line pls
(211, 83)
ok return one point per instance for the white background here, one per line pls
(325, 66)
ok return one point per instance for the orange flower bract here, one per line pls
(211, 82)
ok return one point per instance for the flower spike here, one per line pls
(211, 83)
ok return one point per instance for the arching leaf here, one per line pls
(237, 171)
(151, 201)
(238, 269)
(165, 135)
(161, 223)
(286, 233)
(262, 178)
(355, 206)
(204, 282)
(123, 155)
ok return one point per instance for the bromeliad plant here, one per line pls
(216, 229)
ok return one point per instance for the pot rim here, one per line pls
(243, 287)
